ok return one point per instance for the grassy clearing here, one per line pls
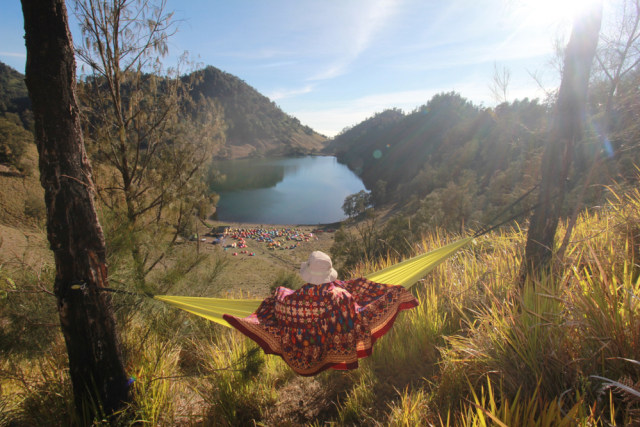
(476, 352)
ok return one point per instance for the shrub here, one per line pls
(286, 278)
(34, 207)
(13, 142)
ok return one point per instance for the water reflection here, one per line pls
(247, 174)
(306, 190)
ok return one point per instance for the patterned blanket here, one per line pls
(325, 326)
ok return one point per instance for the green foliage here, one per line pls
(179, 263)
(452, 164)
(525, 337)
(288, 279)
(358, 407)
(39, 391)
(487, 408)
(379, 194)
(449, 162)
(368, 240)
(12, 85)
(238, 381)
(411, 410)
(13, 142)
(393, 147)
(27, 309)
(35, 208)
(153, 395)
(148, 138)
(356, 204)
(35, 388)
(355, 245)
(14, 97)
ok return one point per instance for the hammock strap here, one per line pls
(487, 229)
(405, 273)
(408, 272)
(212, 308)
(81, 285)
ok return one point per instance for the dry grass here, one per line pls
(477, 351)
(253, 275)
(18, 192)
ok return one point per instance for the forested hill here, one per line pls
(446, 143)
(14, 98)
(256, 126)
(16, 123)
(453, 163)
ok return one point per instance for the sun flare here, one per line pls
(555, 11)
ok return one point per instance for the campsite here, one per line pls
(366, 213)
(254, 267)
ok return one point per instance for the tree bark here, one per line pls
(566, 130)
(75, 235)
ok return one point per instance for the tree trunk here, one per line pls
(566, 129)
(86, 316)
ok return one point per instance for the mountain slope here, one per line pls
(13, 91)
(394, 147)
(14, 98)
(449, 161)
(256, 126)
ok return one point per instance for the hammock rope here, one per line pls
(405, 273)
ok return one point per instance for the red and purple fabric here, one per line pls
(325, 326)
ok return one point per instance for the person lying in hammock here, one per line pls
(327, 323)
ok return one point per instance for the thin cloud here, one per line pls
(256, 54)
(437, 47)
(469, 55)
(14, 54)
(371, 23)
(358, 38)
(278, 64)
(331, 72)
(282, 94)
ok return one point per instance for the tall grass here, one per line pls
(36, 390)
(411, 409)
(238, 381)
(477, 350)
(490, 407)
(358, 405)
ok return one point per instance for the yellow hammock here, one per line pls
(405, 273)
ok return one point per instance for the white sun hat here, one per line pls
(318, 269)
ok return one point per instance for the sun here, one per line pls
(554, 11)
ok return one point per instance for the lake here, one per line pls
(301, 190)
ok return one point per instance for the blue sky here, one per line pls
(335, 63)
